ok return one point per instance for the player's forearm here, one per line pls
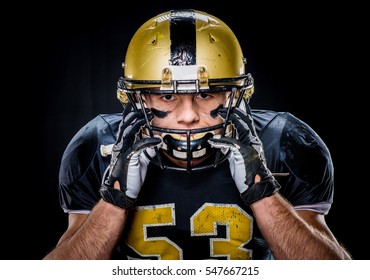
(289, 236)
(96, 238)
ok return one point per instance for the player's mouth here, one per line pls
(183, 137)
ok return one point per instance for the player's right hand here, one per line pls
(129, 163)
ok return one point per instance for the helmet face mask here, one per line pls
(185, 52)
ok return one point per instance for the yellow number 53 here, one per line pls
(204, 222)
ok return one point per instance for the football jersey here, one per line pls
(199, 215)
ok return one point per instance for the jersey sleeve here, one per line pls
(82, 165)
(292, 146)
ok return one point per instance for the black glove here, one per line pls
(246, 157)
(129, 163)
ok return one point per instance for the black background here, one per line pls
(302, 58)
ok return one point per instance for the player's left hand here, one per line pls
(131, 155)
(246, 157)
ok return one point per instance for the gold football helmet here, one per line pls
(184, 51)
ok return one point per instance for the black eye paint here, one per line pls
(214, 112)
(159, 114)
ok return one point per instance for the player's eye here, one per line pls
(203, 95)
(167, 97)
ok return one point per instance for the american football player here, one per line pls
(188, 170)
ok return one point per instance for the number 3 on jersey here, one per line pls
(203, 223)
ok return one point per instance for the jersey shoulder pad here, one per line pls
(304, 152)
(85, 145)
(294, 142)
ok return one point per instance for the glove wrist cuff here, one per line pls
(260, 190)
(116, 197)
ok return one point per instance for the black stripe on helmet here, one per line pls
(183, 37)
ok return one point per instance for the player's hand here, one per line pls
(129, 163)
(246, 157)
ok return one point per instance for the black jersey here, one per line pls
(199, 215)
